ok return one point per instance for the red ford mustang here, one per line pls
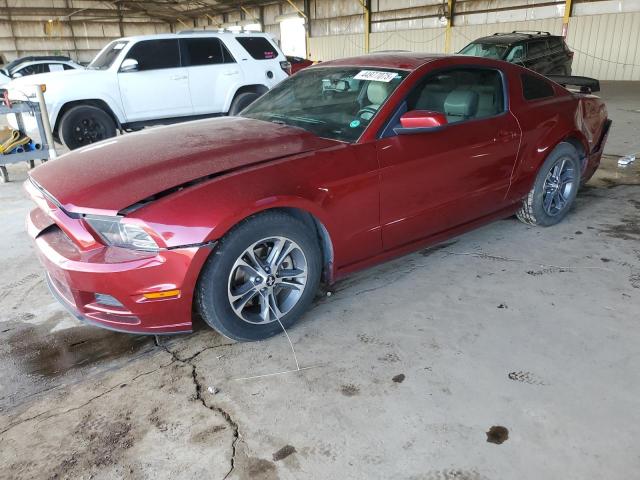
(341, 166)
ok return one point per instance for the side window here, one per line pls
(461, 94)
(516, 54)
(32, 69)
(536, 49)
(155, 54)
(67, 67)
(204, 51)
(258, 47)
(556, 44)
(56, 67)
(534, 88)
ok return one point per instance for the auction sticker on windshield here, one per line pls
(375, 75)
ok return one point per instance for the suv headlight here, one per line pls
(116, 231)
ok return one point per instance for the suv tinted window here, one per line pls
(461, 94)
(155, 54)
(534, 87)
(258, 47)
(204, 51)
(556, 44)
(536, 48)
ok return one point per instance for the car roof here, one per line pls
(394, 59)
(192, 34)
(513, 37)
(38, 58)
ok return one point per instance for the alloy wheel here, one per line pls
(267, 280)
(558, 187)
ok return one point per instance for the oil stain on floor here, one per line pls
(497, 435)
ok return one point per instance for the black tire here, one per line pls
(533, 210)
(242, 101)
(212, 300)
(85, 124)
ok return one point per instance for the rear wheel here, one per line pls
(242, 101)
(555, 188)
(265, 271)
(85, 124)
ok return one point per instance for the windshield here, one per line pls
(487, 50)
(106, 57)
(331, 102)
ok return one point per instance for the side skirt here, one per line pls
(426, 242)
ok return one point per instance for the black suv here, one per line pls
(540, 51)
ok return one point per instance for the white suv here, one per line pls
(138, 81)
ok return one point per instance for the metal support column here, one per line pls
(447, 37)
(366, 5)
(568, 5)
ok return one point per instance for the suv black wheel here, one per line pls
(85, 124)
(242, 101)
(555, 188)
(265, 271)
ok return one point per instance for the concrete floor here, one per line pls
(406, 367)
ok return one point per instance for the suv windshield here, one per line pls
(106, 57)
(330, 102)
(487, 50)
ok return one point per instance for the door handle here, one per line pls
(232, 72)
(505, 136)
(179, 77)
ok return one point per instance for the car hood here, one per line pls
(21, 84)
(109, 176)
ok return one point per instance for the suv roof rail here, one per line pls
(200, 31)
(217, 30)
(532, 32)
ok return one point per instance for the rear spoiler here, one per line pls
(586, 84)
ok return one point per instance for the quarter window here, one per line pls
(536, 49)
(534, 88)
(258, 47)
(204, 51)
(556, 44)
(155, 54)
(461, 94)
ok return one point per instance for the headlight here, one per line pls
(118, 232)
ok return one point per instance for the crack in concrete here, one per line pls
(198, 387)
(57, 414)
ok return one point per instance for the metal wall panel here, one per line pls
(337, 46)
(430, 40)
(606, 47)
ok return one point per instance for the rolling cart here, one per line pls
(46, 151)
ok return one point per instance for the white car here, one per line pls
(22, 67)
(156, 79)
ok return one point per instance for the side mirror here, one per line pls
(129, 65)
(17, 75)
(417, 121)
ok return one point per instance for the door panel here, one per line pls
(160, 87)
(213, 73)
(435, 181)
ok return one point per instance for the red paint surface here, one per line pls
(376, 198)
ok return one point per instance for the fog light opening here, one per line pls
(107, 300)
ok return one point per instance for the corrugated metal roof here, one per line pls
(173, 9)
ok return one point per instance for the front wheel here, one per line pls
(555, 188)
(85, 124)
(266, 271)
